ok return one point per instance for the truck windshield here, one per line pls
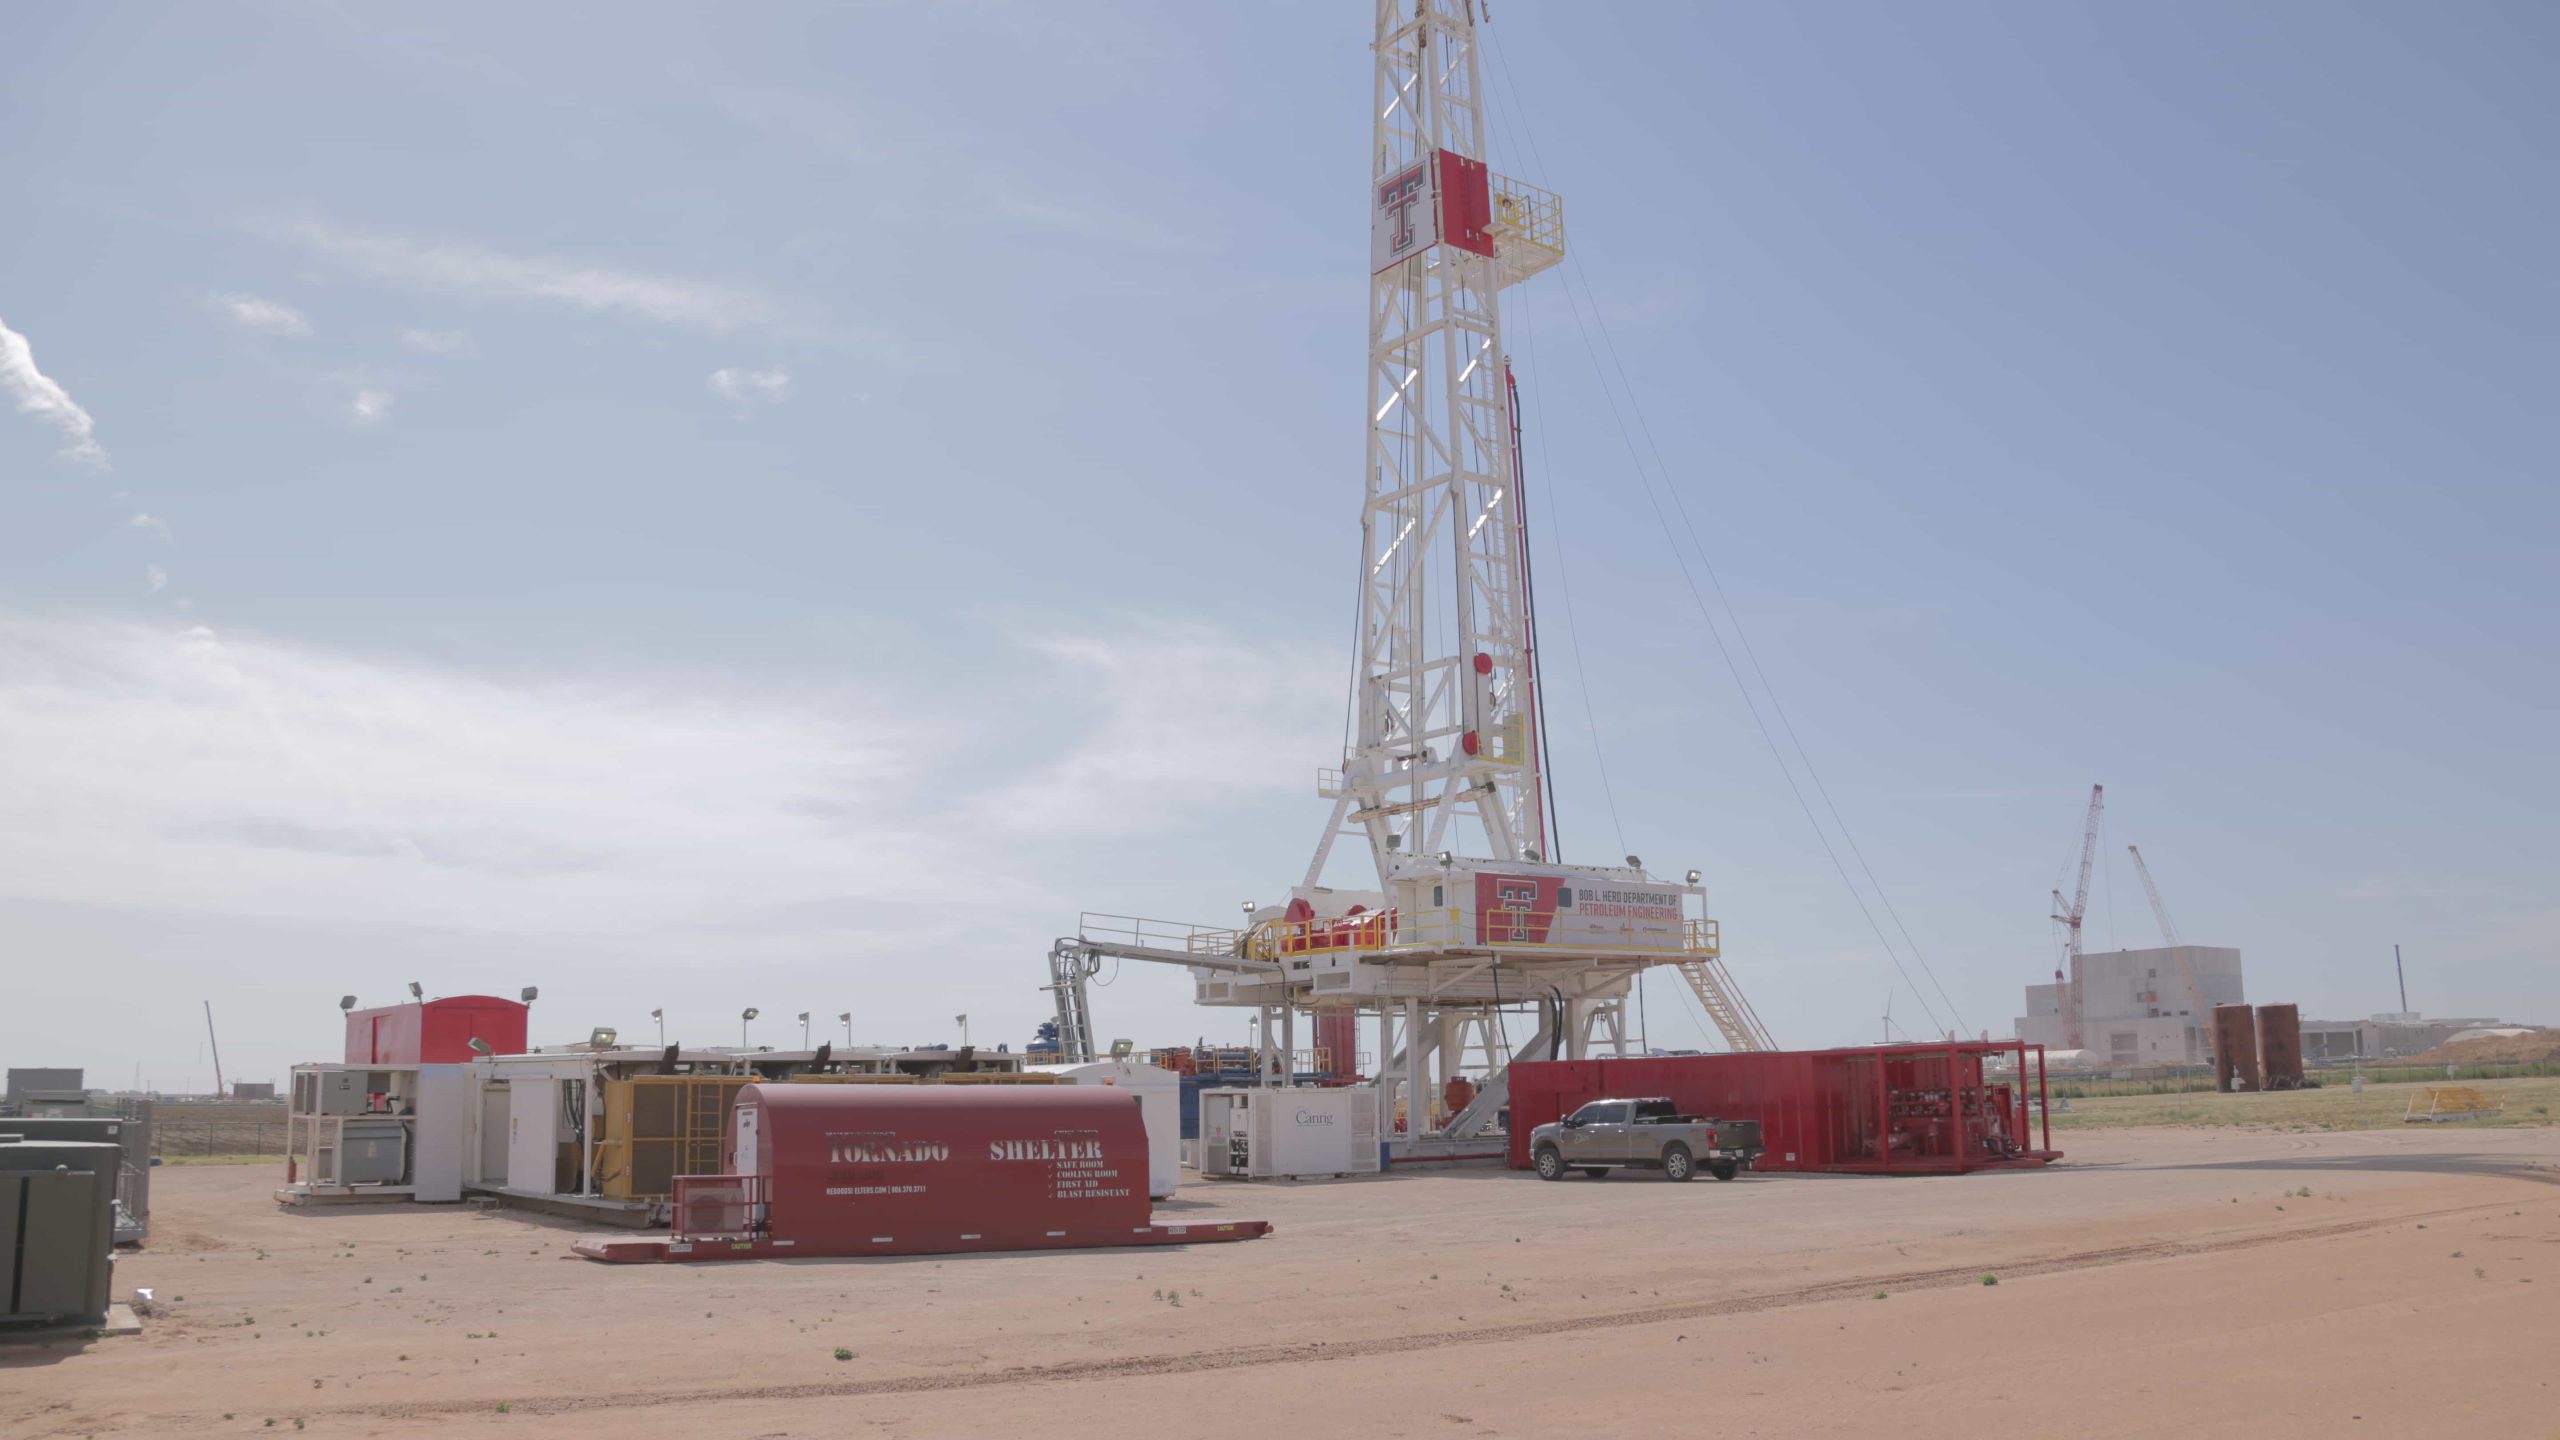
(1602, 1112)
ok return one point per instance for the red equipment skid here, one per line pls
(1911, 1109)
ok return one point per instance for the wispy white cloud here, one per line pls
(234, 773)
(39, 395)
(369, 407)
(740, 387)
(150, 524)
(1166, 710)
(251, 776)
(266, 317)
(478, 272)
(154, 579)
(435, 342)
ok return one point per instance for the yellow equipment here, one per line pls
(657, 1127)
(2437, 1104)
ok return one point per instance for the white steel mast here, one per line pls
(1444, 755)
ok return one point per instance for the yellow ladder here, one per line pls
(1724, 1004)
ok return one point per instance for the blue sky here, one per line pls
(788, 505)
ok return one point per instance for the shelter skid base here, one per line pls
(317, 1196)
(653, 1249)
(629, 1214)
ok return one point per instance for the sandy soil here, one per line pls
(2161, 1281)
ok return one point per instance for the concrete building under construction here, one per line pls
(2134, 1007)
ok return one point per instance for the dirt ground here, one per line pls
(2197, 1282)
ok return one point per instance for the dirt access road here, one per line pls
(2161, 1281)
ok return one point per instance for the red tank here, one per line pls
(920, 1169)
(2235, 1048)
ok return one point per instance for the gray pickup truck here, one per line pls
(1646, 1134)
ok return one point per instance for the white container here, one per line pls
(1159, 1093)
(1287, 1132)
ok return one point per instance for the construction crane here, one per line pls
(2066, 979)
(1464, 911)
(2177, 951)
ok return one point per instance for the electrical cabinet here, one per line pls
(57, 1229)
(533, 1135)
(441, 1132)
(318, 1091)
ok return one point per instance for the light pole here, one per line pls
(847, 1018)
(743, 1017)
(804, 1029)
(661, 1017)
(962, 1021)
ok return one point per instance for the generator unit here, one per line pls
(57, 1230)
(1289, 1131)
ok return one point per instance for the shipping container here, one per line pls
(435, 1032)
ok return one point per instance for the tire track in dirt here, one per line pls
(1304, 1352)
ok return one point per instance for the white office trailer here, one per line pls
(1289, 1132)
(1159, 1093)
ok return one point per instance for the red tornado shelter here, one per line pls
(829, 1170)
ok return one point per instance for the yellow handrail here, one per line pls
(1385, 931)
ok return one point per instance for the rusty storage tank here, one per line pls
(2235, 1048)
(2280, 1046)
(821, 1170)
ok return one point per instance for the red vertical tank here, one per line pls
(1338, 1043)
(2280, 1046)
(2235, 1048)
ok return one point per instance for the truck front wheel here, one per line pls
(1676, 1164)
(1723, 1169)
(1550, 1164)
